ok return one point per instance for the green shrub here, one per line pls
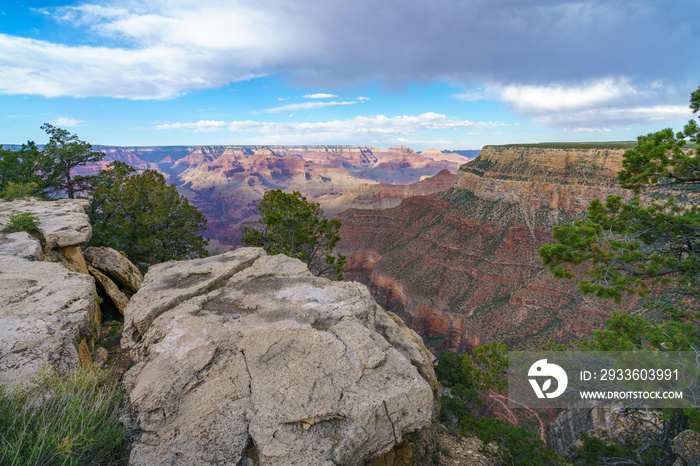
(515, 445)
(61, 420)
(19, 191)
(26, 221)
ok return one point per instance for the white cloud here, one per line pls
(472, 96)
(368, 128)
(363, 99)
(304, 106)
(558, 97)
(621, 116)
(320, 96)
(51, 70)
(591, 106)
(591, 130)
(164, 48)
(66, 122)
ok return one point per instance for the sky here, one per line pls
(449, 74)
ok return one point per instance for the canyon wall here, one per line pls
(461, 265)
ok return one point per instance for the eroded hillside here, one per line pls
(462, 265)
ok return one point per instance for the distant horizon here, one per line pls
(14, 146)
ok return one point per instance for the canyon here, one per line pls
(461, 265)
(226, 182)
(454, 254)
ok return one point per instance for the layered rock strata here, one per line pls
(465, 259)
(227, 182)
(246, 357)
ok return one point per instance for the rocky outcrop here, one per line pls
(566, 179)
(110, 288)
(622, 427)
(687, 446)
(384, 195)
(47, 309)
(118, 278)
(245, 358)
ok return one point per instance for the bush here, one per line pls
(291, 225)
(145, 218)
(19, 191)
(515, 445)
(26, 221)
(66, 420)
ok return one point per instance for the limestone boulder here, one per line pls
(48, 302)
(21, 244)
(117, 267)
(61, 223)
(244, 357)
(46, 313)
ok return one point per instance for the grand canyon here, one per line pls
(446, 240)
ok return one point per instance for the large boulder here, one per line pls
(47, 309)
(244, 358)
(46, 315)
(61, 223)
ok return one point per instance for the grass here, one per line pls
(26, 221)
(61, 420)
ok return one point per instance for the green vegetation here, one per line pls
(25, 221)
(633, 246)
(291, 225)
(20, 172)
(31, 172)
(144, 217)
(63, 153)
(626, 247)
(468, 376)
(61, 420)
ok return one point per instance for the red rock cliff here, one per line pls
(466, 258)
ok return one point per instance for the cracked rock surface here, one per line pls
(245, 357)
(46, 310)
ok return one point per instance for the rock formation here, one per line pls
(246, 357)
(461, 265)
(48, 298)
(47, 309)
(226, 182)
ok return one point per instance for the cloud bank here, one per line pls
(163, 48)
(377, 128)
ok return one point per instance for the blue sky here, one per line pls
(452, 74)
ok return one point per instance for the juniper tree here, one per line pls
(291, 225)
(144, 217)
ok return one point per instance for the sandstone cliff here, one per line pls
(461, 265)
